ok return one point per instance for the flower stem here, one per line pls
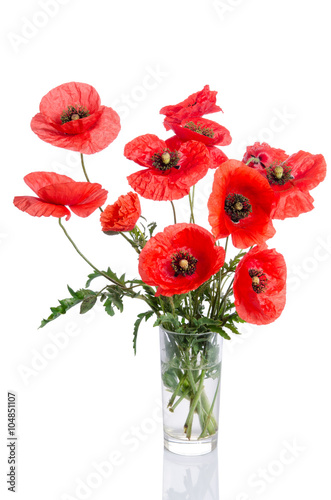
(86, 260)
(210, 413)
(189, 420)
(174, 212)
(191, 200)
(83, 165)
(185, 393)
(130, 241)
(176, 391)
(85, 173)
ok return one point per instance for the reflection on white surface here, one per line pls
(190, 478)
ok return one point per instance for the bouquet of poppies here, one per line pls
(185, 280)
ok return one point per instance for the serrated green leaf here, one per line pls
(151, 228)
(233, 328)
(66, 304)
(136, 326)
(109, 307)
(91, 277)
(72, 293)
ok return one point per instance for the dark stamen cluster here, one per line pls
(279, 174)
(259, 280)
(74, 113)
(183, 263)
(200, 129)
(165, 160)
(237, 207)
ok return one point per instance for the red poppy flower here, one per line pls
(198, 104)
(200, 129)
(261, 156)
(259, 286)
(122, 215)
(180, 259)
(55, 192)
(209, 133)
(240, 204)
(291, 178)
(171, 167)
(71, 117)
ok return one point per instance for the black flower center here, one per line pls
(183, 263)
(259, 280)
(200, 129)
(165, 160)
(73, 113)
(279, 174)
(237, 207)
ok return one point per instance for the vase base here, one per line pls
(190, 448)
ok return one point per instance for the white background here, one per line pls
(269, 61)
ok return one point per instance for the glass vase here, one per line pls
(191, 375)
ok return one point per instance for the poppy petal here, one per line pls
(58, 99)
(156, 186)
(97, 138)
(308, 170)
(217, 157)
(142, 148)
(184, 130)
(37, 208)
(156, 259)
(38, 180)
(264, 306)
(74, 194)
(291, 203)
(122, 215)
(234, 177)
(172, 184)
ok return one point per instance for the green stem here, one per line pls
(176, 391)
(85, 173)
(172, 304)
(191, 208)
(86, 260)
(183, 396)
(83, 165)
(210, 413)
(130, 241)
(174, 212)
(223, 301)
(189, 420)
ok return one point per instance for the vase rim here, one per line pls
(189, 334)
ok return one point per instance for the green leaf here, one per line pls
(218, 329)
(151, 228)
(109, 307)
(232, 327)
(66, 304)
(91, 277)
(88, 303)
(137, 323)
